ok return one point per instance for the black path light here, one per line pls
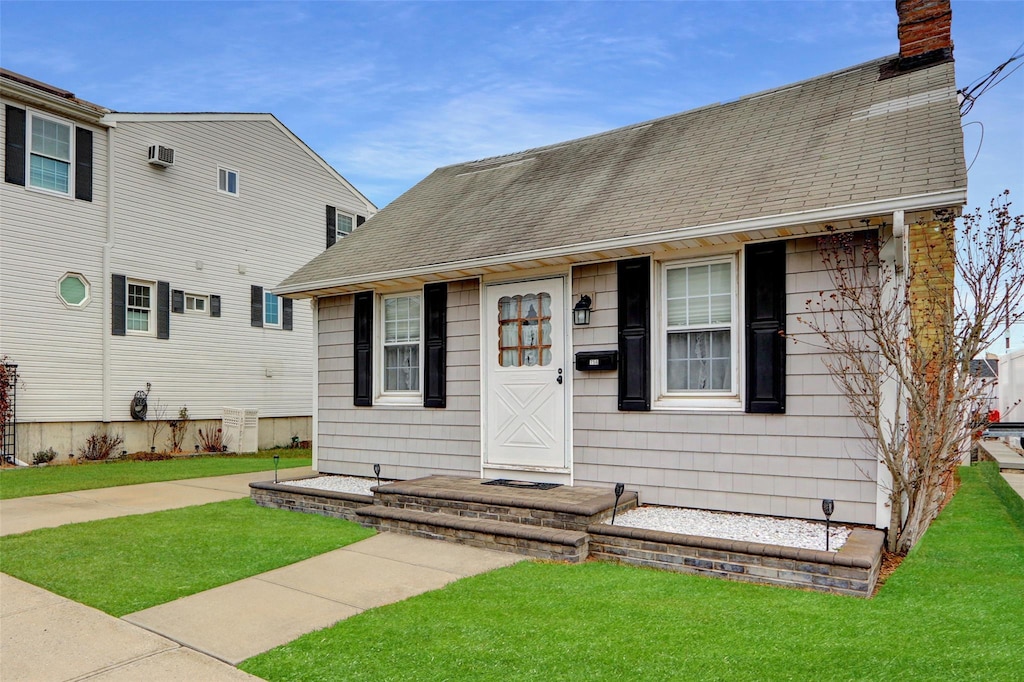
(827, 506)
(277, 458)
(619, 488)
(376, 472)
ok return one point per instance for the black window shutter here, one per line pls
(766, 324)
(256, 306)
(14, 159)
(435, 316)
(634, 287)
(118, 290)
(163, 310)
(363, 349)
(177, 301)
(360, 219)
(214, 306)
(83, 164)
(332, 226)
(286, 313)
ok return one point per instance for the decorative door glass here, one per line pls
(524, 330)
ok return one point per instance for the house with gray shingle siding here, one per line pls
(445, 327)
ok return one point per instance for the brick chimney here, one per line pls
(925, 36)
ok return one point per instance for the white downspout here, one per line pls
(314, 305)
(108, 246)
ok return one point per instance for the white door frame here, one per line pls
(563, 474)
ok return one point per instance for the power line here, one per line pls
(970, 94)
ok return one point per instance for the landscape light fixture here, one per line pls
(827, 506)
(581, 313)
(619, 488)
(277, 458)
(376, 472)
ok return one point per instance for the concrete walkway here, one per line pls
(46, 637)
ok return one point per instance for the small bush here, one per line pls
(148, 456)
(212, 441)
(44, 456)
(99, 447)
(179, 427)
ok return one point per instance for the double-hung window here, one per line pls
(700, 333)
(401, 344)
(139, 307)
(50, 152)
(271, 310)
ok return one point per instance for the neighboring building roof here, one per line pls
(48, 96)
(985, 369)
(840, 145)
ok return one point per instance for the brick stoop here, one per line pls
(532, 540)
(308, 500)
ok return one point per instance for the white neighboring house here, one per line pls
(141, 248)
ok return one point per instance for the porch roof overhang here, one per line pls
(782, 226)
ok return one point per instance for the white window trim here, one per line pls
(88, 291)
(731, 401)
(197, 297)
(338, 213)
(280, 311)
(29, 115)
(238, 181)
(151, 326)
(385, 397)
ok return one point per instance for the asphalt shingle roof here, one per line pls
(838, 139)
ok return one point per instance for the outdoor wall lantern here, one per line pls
(581, 313)
(827, 506)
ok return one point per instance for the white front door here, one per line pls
(524, 376)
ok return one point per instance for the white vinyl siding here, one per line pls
(50, 153)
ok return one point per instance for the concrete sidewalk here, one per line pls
(23, 514)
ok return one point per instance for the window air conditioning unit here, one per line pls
(160, 155)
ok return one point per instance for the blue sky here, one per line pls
(388, 91)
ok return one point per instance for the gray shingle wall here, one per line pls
(811, 146)
(408, 441)
(764, 464)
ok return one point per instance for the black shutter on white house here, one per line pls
(256, 306)
(214, 306)
(332, 226)
(14, 146)
(435, 317)
(177, 301)
(360, 219)
(362, 393)
(634, 290)
(766, 326)
(118, 292)
(83, 164)
(163, 310)
(286, 313)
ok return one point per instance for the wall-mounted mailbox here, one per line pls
(597, 360)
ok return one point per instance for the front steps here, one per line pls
(547, 524)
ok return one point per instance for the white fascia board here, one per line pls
(139, 117)
(40, 99)
(917, 202)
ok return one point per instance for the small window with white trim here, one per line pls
(194, 303)
(271, 310)
(50, 161)
(401, 340)
(73, 290)
(700, 337)
(227, 181)
(138, 313)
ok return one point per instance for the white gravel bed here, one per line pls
(339, 484)
(744, 527)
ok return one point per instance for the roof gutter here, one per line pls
(917, 202)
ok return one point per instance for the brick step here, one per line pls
(571, 509)
(530, 540)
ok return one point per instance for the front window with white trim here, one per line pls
(50, 150)
(139, 308)
(699, 328)
(401, 344)
(227, 181)
(194, 303)
(271, 310)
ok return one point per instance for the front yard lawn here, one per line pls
(130, 563)
(23, 482)
(954, 610)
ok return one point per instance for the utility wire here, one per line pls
(970, 94)
(981, 141)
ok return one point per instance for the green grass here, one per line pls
(954, 610)
(130, 563)
(24, 482)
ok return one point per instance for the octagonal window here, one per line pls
(73, 290)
